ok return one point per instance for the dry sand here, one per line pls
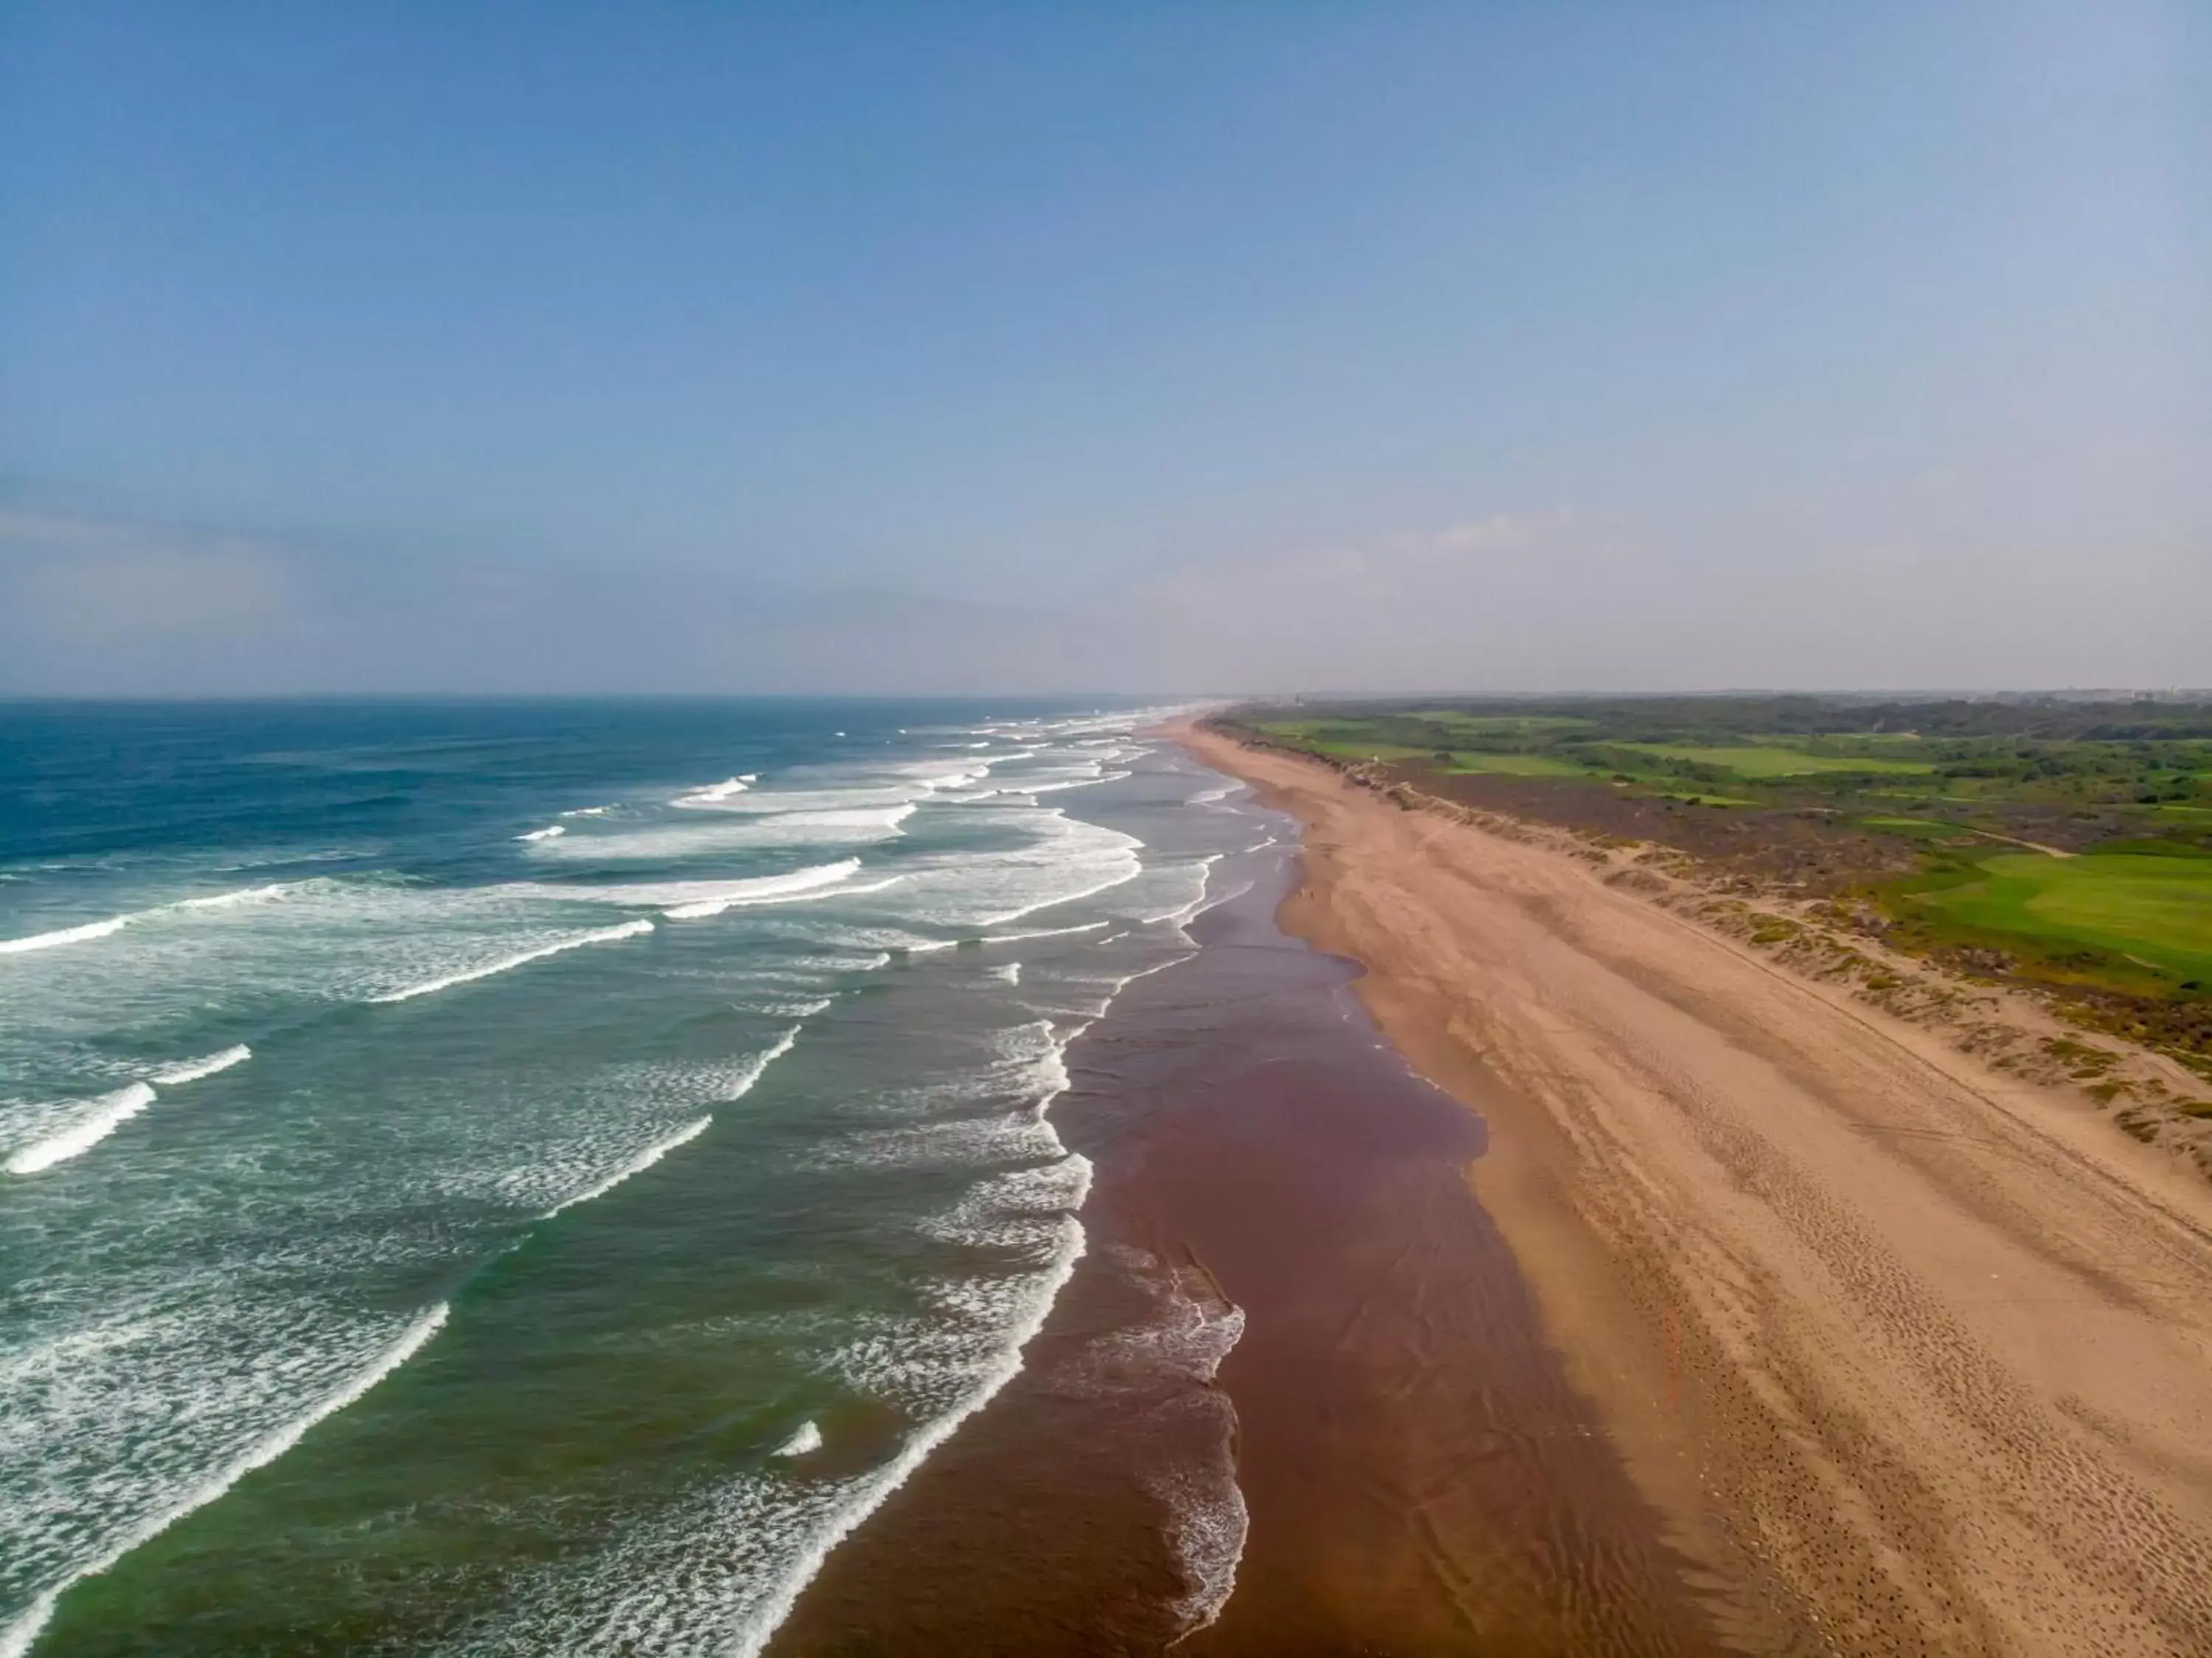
(1915, 1357)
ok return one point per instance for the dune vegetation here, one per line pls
(2065, 843)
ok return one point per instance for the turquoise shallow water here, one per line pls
(530, 1178)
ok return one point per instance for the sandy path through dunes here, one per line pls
(1919, 1359)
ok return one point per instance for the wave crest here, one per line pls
(109, 1112)
(191, 1070)
(92, 930)
(603, 935)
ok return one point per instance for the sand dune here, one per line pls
(1917, 1358)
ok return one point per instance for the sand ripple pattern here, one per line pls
(1933, 1341)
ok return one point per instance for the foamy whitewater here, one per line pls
(613, 1203)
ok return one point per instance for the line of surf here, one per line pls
(755, 1068)
(715, 907)
(603, 935)
(1135, 869)
(718, 791)
(85, 931)
(109, 1112)
(637, 1165)
(16, 1638)
(757, 1630)
(692, 900)
(762, 1625)
(750, 1073)
(191, 1070)
(682, 900)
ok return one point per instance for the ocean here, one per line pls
(535, 1177)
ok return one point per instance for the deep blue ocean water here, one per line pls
(531, 1177)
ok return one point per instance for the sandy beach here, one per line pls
(1357, 1364)
(1912, 1358)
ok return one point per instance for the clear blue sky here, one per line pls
(1655, 344)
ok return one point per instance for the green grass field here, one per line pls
(1514, 765)
(2156, 909)
(1774, 762)
(1924, 798)
(1363, 749)
(1502, 724)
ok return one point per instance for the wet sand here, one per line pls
(1913, 1357)
(1421, 1478)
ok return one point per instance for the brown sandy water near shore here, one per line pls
(1915, 1357)
(1420, 1477)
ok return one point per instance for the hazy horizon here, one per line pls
(1337, 348)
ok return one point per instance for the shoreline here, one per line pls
(1911, 1354)
(1295, 1350)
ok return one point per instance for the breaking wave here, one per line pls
(191, 1070)
(689, 900)
(714, 792)
(604, 936)
(637, 1165)
(108, 1112)
(808, 1438)
(16, 1638)
(92, 930)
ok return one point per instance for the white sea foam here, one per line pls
(1060, 859)
(765, 1536)
(1192, 1329)
(715, 907)
(1207, 1530)
(551, 831)
(1005, 1210)
(731, 831)
(742, 1080)
(809, 793)
(1044, 932)
(752, 1634)
(637, 1165)
(588, 812)
(1210, 1521)
(935, 775)
(807, 1439)
(92, 930)
(956, 1143)
(107, 1115)
(716, 791)
(1202, 903)
(1030, 1209)
(17, 1639)
(725, 1578)
(1129, 871)
(688, 899)
(1054, 1066)
(191, 1070)
(1054, 788)
(603, 935)
(225, 900)
(1195, 875)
